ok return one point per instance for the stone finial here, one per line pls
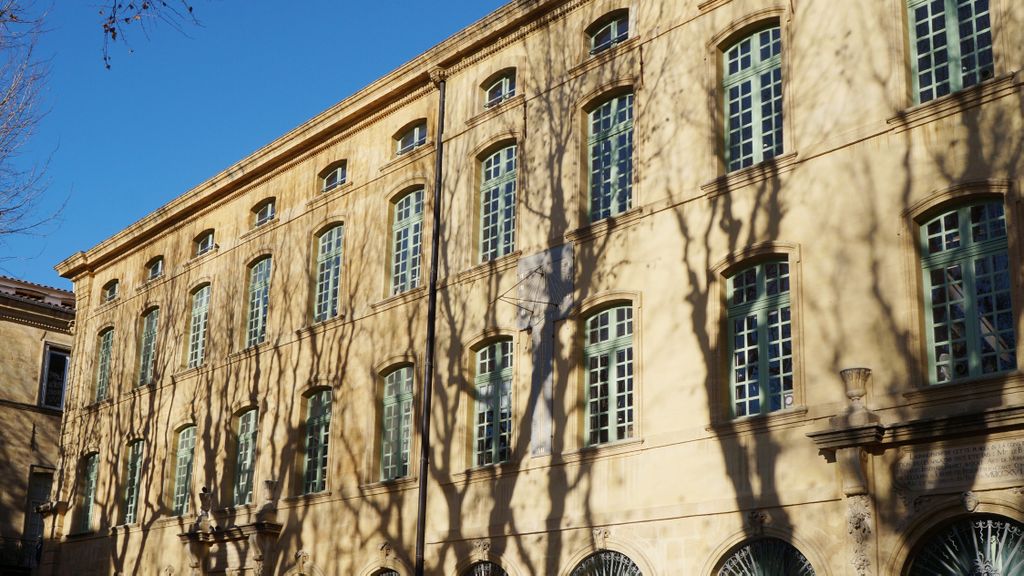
(856, 382)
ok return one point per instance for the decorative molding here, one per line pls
(601, 538)
(481, 549)
(757, 520)
(858, 525)
(498, 109)
(760, 172)
(955, 103)
(970, 501)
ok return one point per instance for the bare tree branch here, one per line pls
(119, 16)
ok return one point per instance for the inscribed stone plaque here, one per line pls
(997, 462)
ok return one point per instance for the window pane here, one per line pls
(407, 230)
(147, 348)
(246, 458)
(611, 157)
(493, 426)
(318, 425)
(105, 349)
(396, 431)
(55, 374)
(498, 204)
(328, 273)
(609, 375)
(133, 474)
(183, 471)
(197, 326)
(951, 42)
(753, 99)
(259, 302)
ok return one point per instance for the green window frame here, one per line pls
(608, 357)
(259, 302)
(613, 30)
(90, 471)
(407, 238)
(147, 347)
(968, 298)
(498, 204)
(411, 139)
(752, 86)
(610, 144)
(328, 273)
(760, 332)
(492, 428)
(133, 476)
(396, 423)
(500, 90)
(318, 433)
(104, 350)
(335, 176)
(950, 46)
(185, 457)
(245, 457)
(197, 326)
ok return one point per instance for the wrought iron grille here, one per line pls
(607, 563)
(972, 547)
(485, 569)
(766, 557)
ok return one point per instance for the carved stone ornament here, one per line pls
(858, 526)
(167, 571)
(757, 520)
(438, 74)
(601, 538)
(301, 559)
(481, 549)
(387, 553)
(970, 500)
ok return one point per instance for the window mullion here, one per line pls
(972, 318)
(954, 64)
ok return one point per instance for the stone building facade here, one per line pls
(724, 286)
(35, 332)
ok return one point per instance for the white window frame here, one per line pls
(155, 269)
(329, 259)
(318, 435)
(245, 457)
(110, 291)
(183, 464)
(132, 482)
(259, 301)
(49, 350)
(961, 68)
(498, 203)
(610, 137)
(406, 241)
(396, 423)
(197, 326)
(617, 28)
(500, 90)
(492, 414)
(204, 243)
(412, 138)
(751, 67)
(334, 177)
(609, 375)
(264, 212)
(104, 352)
(147, 347)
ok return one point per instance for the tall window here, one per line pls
(105, 348)
(611, 157)
(245, 462)
(609, 32)
(132, 477)
(951, 45)
(608, 353)
(760, 339)
(412, 138)
(498, 204)
(259, 302)
(967, 293)
(396, 431)
(39, 485)
(55, 375)
(493, 426)
(89, 470)
(147, 347)
(183, 470)
(318, 428)
(407, 236)
(753, 99)
(197, 327)
(328, 273)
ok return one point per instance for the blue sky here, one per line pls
(176, 109)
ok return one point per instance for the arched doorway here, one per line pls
(971, 546)
(765, 557)
(607, 563)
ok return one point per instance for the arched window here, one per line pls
(328, 272)
(245, 457)
(259, 302)
(968, 546)
(147, 347)
(264, 212)
(607, 563)
(485, 569)
(197, 326)
(133, 477)
(951, 46)
(752, 84)
(498, 204)
(610, 142)
(406, 238)
(203, 243)
(335, 175)
(492, 426)
(154, 268)
(386, 572)
(185, 456)
(318, 432)
(411, 138)
(760, 339)
(396, 424)
(610, 30)
(110, 290)
(104, 350)
(766, 557)
(967, 293)
(499, 89)
(608, 354)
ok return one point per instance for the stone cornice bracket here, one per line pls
(601, 538)
(757, 520)
(437, 75)
(481, 549)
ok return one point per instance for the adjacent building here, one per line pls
(726, 287)
(35, 347)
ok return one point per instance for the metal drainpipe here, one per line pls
(438, 77)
